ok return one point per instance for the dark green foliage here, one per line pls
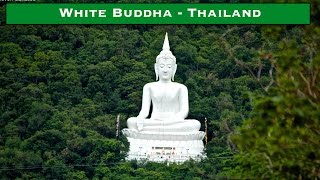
(281, 139)
(62, 88)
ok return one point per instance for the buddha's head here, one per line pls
(165, 66)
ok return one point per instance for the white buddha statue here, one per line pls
(169, 100)
(167, 135)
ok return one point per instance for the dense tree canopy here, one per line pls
(62, 88)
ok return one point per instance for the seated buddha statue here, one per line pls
(169, 100)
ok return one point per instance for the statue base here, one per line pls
(164, 146)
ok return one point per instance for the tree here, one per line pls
(281, 139)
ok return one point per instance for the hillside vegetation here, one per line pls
(62, 88)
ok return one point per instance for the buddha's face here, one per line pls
(166, 68)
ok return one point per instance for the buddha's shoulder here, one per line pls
(157, 84)
(178, 85)
(150, 84)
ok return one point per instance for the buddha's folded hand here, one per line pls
(140, 124)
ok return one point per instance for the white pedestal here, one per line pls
(159, 146)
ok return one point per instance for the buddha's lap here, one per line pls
(150, 122)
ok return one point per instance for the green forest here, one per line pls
(63, 86)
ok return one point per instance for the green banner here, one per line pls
(158, 13)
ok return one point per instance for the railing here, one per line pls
(178, 158)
